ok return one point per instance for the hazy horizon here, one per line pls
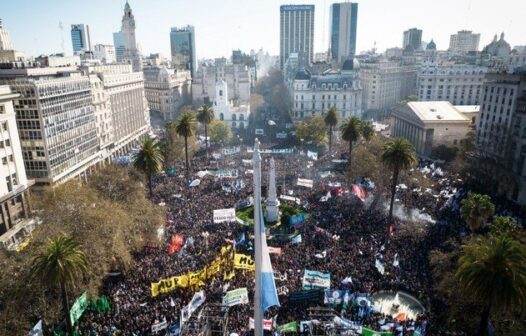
(250, 24)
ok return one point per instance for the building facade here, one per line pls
(501, 128)
(14, 205)
(412, 40)
(182, 45)
(343, 23)
(237, 76)
(125, 42)
(385, 84)
(430, 124)
(105, 53)
(56, 121)
(313, 95)
(464, 41)
(236, 116)
(166, 90)
(460, 84)
(80, 38)
(5, 38)
(296, 31)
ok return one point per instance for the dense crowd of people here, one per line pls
(342, 235)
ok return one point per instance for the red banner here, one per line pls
(359, 191)
(176, 244)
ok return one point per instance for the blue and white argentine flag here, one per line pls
(269, 295)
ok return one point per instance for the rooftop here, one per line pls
(436, 110)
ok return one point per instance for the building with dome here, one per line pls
(431, 45)
(313, 95)
(498, 48)
(166, 90)
(236, 116)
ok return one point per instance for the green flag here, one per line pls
(370, 332)
(78, 308)
(291, 327)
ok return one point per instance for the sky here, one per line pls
(223, 25)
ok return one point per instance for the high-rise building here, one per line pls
(125, 42)
(501, 129)
(412, 39)
(313, 95)
(460, 84)
(80, 38)
(237, 76)
(13, 181)
(5, 38)
(182, 43)
(464, 41)
(343, 21)
(105, 53)
(56, 121)
(296, 31)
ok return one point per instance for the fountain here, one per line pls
(400, 305)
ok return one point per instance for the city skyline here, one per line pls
(217, 33)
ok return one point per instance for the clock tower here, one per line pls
(131, 54)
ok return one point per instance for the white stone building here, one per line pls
(315, 94)
(105, 53)
(13, 181)
(236, 116)
(5, 38)
(460, 84)
(237, 76)
(166, 90)
(429, 124)
(385, 84)
(464, 41)
(125, 42)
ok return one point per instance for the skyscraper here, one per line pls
(464, 41)
(124, 41)
(80, 38)
(5, 38)
(182, 43)
(413, 39)
(343, 20)
(296, 31)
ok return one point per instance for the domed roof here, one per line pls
(302, 74)
(431, 45)
(127, 6)
(351, 64)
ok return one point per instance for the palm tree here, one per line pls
(186, 127)
(367, 130)
(205, 116)
(331, 120)
(397, 155)
(351, 131)
(60, 263)
(476, 209)
(149, 160)
(492, 270)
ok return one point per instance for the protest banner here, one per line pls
(305, 183)
(267, 324)
(197, 300)
(290, 327)
(315, 279)
(244, 262)
(159, 326)
(370, 332)
(333, 296)
(80, 305)
(312, 155)
(231, 150)
(224, 215)
(312, 295)
(38, 330)
(274, 250)
(236, 297)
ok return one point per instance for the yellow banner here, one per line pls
(244, 262)
(169, 284)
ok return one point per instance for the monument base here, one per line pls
(272, 211)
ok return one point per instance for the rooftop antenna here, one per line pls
(61, 27)
(374, 48)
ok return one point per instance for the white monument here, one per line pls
(272, 211)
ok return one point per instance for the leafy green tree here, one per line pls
(205, 115)
(493, 271)
(220, 132)
(312, 129)
(444, 153)
(351, 130)
(185, 127)
(397, 155)
(60, 263)
(476, 209)
(331, 120)
(149, 160)
(367, 130)
(504, 225)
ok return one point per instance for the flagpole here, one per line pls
(258, 310)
